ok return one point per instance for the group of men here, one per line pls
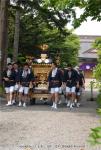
(18, 81)
(69, 81)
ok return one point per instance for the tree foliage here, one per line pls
(95, 136)
(3, 34)
(69, 53)
(97, 45)
(51, 15)
(91, 8)
(35, 31)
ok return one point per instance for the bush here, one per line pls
(1, 90)
(98, 100)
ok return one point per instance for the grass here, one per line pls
(1, 90)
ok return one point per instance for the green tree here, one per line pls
(3, 35)
(69, 8)
(69, 51)
(95, 136)
(35, 31)
(16, 33)
(91, 8)
(97, 73)
(50, 15)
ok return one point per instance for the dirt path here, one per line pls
(39, 128)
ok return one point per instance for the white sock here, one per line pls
(24, 104)
(55, 106)
(68, 103)
(10, 102)
(13, 101)
(75, 100)
(20, 103)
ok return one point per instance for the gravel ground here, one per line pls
(39, 128)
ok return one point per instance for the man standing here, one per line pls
(9, 82)
(71, 82)
(26, 77)
(55, 82)
(81, 86)
(17, 81)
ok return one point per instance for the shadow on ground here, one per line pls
(87, 106)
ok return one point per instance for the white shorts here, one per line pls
(16, 87)
(55, 90)
(80, 91)
(70, 90)
(60, 90)
(24, 90)
(9, 89)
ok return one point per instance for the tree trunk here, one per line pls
(3, 35)
(16, 35)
